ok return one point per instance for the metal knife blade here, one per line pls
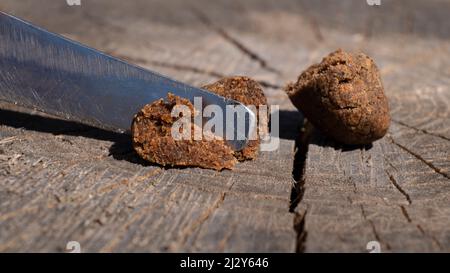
(55, 75)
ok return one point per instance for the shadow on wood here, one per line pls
(120, 150)
(319, 139)
(290, 124)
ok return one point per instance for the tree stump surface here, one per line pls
(61, 181)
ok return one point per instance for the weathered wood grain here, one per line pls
(395, 192)
(61, 181)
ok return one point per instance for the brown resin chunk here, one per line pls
(248, 92)
(343, 97)
(152, 139)
(152, 130)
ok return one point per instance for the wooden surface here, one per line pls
(61, 181)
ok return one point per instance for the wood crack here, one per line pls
(421, 130)
(374, 230)
(398, 187)
(420, 228)
(301, 151)
(299, 226)
(434, 168)
(236, 43)
(187, 68)
(298, 189)
(181, 67)
(405, 214)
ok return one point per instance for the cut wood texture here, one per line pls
(61, 181)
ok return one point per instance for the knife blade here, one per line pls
(58, 76)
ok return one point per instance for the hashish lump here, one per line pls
(343, 97)
(152, 138)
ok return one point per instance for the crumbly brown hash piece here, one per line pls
(152, 125)
(152, 139)
(248, 92)
(343, 97)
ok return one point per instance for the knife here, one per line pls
(58, 76)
